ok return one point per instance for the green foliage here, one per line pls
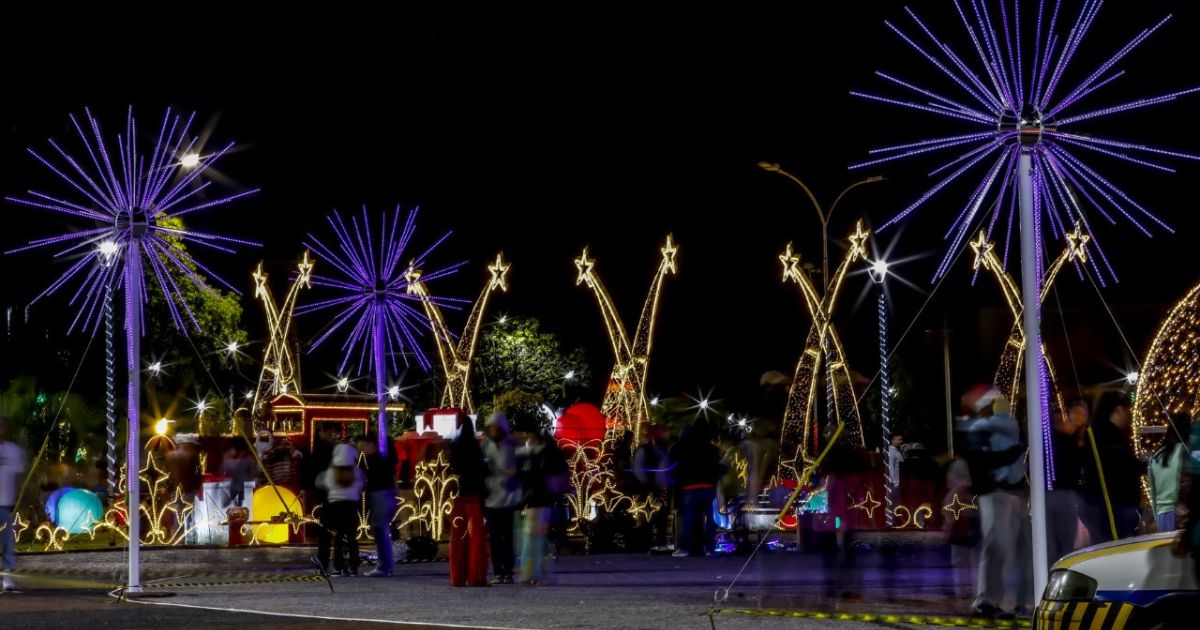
(517, 355)
(904, 410)
(218, 315)
(31, 413)
(523, 410)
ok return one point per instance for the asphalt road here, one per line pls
(606, 591)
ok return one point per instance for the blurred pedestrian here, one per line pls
(836, 530)
(1187, 509)
(1165, 467)
(468, 540)
(503, 495)
(698, 469)
(961, 527)
(380, 472)
(1118, 475)
(12, 469)
(343, 484)
(1068, 443)
(544, 479)
(652, 469)
(995, 444)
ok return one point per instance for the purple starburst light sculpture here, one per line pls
(1032, 160)
(1015, 96)
(136, 205)
(383, 316)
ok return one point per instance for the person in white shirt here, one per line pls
(12, 466)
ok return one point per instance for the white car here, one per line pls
(1127, 584)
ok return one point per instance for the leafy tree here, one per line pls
(32, 412)
(188, 356)
(904, 413)
(523, 410)
(515, 354)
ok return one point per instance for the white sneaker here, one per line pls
(8, 584)
(680, 553)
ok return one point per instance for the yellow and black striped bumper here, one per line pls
(1084, 616)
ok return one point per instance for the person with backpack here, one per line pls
(998, 478)
(652, 468)
(343, 484)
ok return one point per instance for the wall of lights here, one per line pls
(1169, 380)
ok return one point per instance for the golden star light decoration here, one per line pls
(458, 354)
(625, 397)
(280, 366)
(823, 353)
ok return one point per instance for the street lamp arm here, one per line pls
(774, 168)
(869, 180)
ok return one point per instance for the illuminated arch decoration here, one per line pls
(457, 355)
(1169, 380)
(823, 348)
(625, 397)
(280, 367)
(1008, 374)
(434, 489)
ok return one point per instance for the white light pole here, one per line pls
(878, 272)
(1035, 367)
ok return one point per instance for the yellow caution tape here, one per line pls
(919, 620)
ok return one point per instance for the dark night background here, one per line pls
(541, 133)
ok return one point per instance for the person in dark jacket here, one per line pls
(468, 539)
(544, 478)
(1120, 472)
(1062, 504)
(380, 470)
(698, 470)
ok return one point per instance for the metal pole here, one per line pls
(133, 334)
(885, 407)
(946, 368)
(380, 379)
(1030, 292)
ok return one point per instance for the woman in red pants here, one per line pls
(468, 537)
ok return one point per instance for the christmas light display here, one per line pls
(280, 365)
(593, 485)
(376, 297)
(1169, 379)
(625, 398)
(434, 490)
(916, 518)
(457, 355)
(956, 506)
(823, 350)
(1008, 373)
(868, 504)
(139, 205)
(1032, 164)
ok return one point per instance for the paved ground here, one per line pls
(608, 591)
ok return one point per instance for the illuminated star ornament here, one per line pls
(376, 304)
(280, 365)
(823, 354)
(458, 355)
(625, 397)
(1017, 96)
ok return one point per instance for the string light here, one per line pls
(458, 355)
(434, 489)
(798, 436)
(1169, 381)
(868, 504)
(956, 506)
(280, 367)
(1008, 373)
(625, 398)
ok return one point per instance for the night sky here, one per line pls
(540, 133)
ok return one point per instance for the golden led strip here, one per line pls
(280, 367)
(456, 356)
(822, 345)
(625, 397)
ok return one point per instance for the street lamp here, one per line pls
(232, 347)
(190, 160)
(878, 272)
(343, 385)
(824, 216)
